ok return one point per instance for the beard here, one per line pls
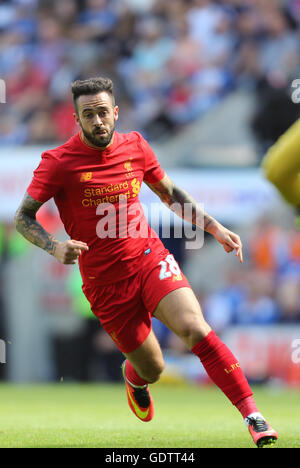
(96, 139)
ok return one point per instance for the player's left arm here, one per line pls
(176, 198)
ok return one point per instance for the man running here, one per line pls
(95, 179)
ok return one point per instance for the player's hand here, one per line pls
(68, 252)
(230, 241)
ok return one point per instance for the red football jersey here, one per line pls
(85, 183)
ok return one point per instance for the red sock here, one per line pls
(223, 368)
(247, 406)
(132, 376)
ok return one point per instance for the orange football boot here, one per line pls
(139, 399)
(261, 431)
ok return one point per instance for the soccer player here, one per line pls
(282, 166)
(128, 278)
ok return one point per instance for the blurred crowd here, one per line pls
(267, 291)
(171, 61)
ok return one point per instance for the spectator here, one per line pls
(172, 61)
(259, 306)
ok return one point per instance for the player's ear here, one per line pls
(76, 118)
(116, 112)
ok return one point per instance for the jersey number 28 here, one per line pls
(169, 267)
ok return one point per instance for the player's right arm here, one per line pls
(282, 165)
(26, 224)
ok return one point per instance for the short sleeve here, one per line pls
(47, 179)
(153, 171)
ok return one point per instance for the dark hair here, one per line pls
(92, 86)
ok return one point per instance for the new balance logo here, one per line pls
(85, 176)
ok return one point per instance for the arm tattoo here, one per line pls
(27, 225)
(177, 199)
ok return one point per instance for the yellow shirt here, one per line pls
(282, 164)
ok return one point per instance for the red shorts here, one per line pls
(125, 308)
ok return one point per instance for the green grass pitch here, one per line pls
(97, 415)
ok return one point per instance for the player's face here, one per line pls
(97, 115)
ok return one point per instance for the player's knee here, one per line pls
(193, 331)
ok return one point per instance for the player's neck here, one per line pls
(90, 145)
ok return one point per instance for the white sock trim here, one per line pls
(128, 381)
(253, 415)
(135, 386)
